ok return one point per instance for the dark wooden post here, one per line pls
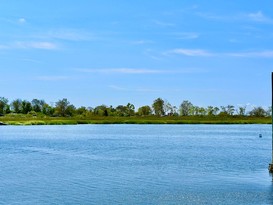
(270, 168)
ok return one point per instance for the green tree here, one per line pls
(26, 107)
(168, 108)
(16, 106)
(174, 111)
(230, 109)
(158, 107)
(64, 108)
(269, 111)
(210, 110)
(37, 105)
(121, 110)
(4, 106)
(185, 108)
(81, 110)
(257, 112)
(130, 109)
(241, 110)
(101, 110)
(111, 110)
(223, 111)
(216, 110)
(202, 111)
(144, 110)
(70, 111)
(194, 110)
(48, 110)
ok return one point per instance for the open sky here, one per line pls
(112, 52)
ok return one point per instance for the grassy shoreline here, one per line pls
(27, 120)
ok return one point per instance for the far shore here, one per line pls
(33, 120)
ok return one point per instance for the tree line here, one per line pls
(159, 107)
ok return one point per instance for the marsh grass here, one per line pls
(34, 120)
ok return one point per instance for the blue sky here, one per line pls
(97, 52)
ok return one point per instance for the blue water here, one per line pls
(135, 164)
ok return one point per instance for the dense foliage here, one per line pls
(159, 107)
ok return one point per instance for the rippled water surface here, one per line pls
(135, 164)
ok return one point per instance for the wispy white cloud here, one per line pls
(29, 45)
(153, 54)
(52, 78)
(21, 21)
(143, 71)
(141, 42)
(205, 53)
(35, 45)
(47, 40)
(120, 71)
(257, 54)
(259, 17)
(186, 35)
(190, 52)
(66, 34)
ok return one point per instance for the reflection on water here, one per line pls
(135, 164)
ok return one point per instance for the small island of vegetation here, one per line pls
(38, 112)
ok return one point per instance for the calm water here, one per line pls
(135, 164)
